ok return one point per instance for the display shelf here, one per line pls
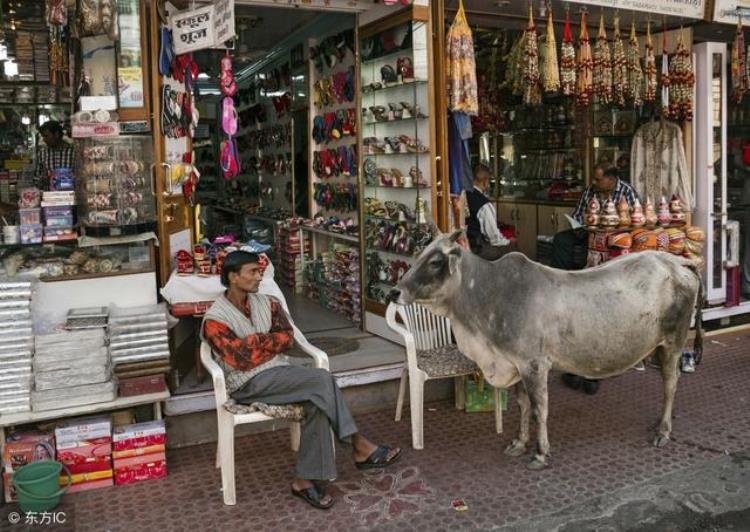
(82, 276)
(400, 153)
(368, 89)
(381, 58)
(384, 219)
(331, 234)
(396, 120)
(398, 188)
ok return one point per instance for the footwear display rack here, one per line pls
(332, 271)
(396, 153)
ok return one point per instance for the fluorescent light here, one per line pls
(11, 68)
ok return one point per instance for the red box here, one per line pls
(10, 489)
(151, 449)
(139, 435)
(91, 485)
(142, 385)
(80, 452)
(22, 448)
(146, 468)
(90, 465)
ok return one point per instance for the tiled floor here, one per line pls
(599, 444)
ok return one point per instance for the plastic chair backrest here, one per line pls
(429, 330)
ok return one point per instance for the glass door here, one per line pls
(712, 92)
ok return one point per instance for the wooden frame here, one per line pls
(140, 113)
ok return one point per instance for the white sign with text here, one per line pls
(679, 8)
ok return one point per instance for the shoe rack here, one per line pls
(397, 137)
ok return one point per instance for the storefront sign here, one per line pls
(679, 8)
(223, 21)
(108, 129)
(193, 30)
(725, 11)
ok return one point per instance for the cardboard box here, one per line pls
(22, 448)
(147, 470)
(10, 489)
(133, 461)
(80, 478)
(92, 464)
(91, 485)
(142, 385)
(139, 435)
(78, 452)
(83, 428)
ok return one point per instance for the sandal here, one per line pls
(379, 458)
(388, 75)
(405, 69)
(313, 495)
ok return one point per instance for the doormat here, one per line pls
(335, 346)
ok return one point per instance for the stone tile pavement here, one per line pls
(600, 444)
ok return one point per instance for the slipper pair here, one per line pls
(313, 495)
(229, 158)
(227, 84)
(229, 117)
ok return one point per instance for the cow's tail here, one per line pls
(698, 342)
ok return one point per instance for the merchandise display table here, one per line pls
(21, 418)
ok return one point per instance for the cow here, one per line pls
(518, 319)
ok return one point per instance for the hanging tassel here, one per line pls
(651, 84)
(567, 60)
(551, 69)
(681, 81)
(619, 67)
(532, 93)
(602, 70)
(634, 86)
(739, 67)
(585, 65)
(665, 79)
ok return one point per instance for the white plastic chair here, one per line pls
(227, 421)
(430, 354)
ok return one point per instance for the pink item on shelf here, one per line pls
(132, 461)
(91, 464)
(139, 451)
(79, 452)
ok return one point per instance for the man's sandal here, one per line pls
(313, 495)
(379, 458)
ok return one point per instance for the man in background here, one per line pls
(55, 153)
(481, 224)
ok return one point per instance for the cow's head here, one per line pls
(436, 274)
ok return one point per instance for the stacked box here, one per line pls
(139, 452)
(84, 446)
(22, 448)
(139, 341)
(58, 210)
(289, 250)
(72, 368)
(16, 346)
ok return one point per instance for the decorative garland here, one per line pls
(665, 79)
(681, 81)
(551, 70)
(585, 65)
(602, 71)
(619, 67)
(567, 60)
(532, 93)
(739, 64)
(634, 85)
(650, 96)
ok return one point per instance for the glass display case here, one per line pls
(396, 154)
(115, 185)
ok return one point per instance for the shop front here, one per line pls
(566, 87)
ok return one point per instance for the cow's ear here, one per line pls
(455, 235)
(454, 257)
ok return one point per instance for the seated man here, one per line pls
(249, 332)
(481, 224)
(606, 184)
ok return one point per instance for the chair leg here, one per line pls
(416, 403)
(459, 390)
(226, 454)
(498, 411)
(218, 456)
(296, 433)
(401, 393)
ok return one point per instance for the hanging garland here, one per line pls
(650, 96)
(602, 72)
(551, 69)
(514, 72)
(739, 64)
(665, 79)
(532, 91)
(567, 60)
(681, 81)
(619, 67)
(585, 65)
(634, 85)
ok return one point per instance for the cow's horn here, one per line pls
(434, 229)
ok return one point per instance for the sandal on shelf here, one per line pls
(398, 177)
(380, 113)
(313, 495)
(393, 144)
(379, 458)
(388, 75)
(411, 110)
(396, 112)
(405, 69)
(413, 145)
(417, 177)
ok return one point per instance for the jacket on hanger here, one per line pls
(658, 164)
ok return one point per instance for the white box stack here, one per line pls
(16, 346)
(138, 334)
(72, 368)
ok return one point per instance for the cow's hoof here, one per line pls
(516, 448)
(661, 441)
(537, 464)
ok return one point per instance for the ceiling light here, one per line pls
(502, 3)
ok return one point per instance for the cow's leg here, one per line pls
(535, 380)
(518, 446)
(670, 372)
